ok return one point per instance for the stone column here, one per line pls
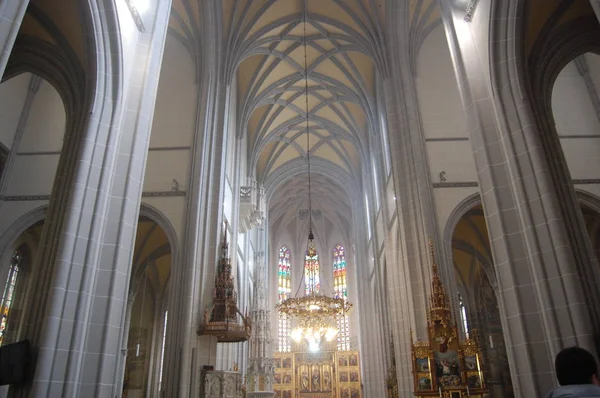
(373, 366)
(540, 291)
(76, 324)
(11, 16)
(195, 277)
(407, 246)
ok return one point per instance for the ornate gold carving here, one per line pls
(222, 319)
(442, 366)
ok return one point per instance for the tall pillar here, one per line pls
(195, 277)
(540, 291)
(11, 16)
(406, 246)
(261, 368)
(77, 321)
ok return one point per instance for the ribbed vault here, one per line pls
(290, 202)
(267, 58)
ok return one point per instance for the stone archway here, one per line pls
(479, 315)
(147, 309)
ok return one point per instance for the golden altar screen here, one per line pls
(326, 374)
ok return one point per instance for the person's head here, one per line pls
(574, 365)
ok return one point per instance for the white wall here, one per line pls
(578, 122)
(173, 129)
(12, 97)
(444, 125)
(36, 147)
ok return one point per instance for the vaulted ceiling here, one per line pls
(286, 55)
(266, 43)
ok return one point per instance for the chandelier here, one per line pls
(314, 314)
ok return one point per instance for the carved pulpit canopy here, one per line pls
(224, 320)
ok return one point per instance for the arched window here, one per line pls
(284, 288)
(311, 271)
(9, 290)
(340, 288)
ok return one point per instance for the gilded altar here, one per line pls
(325, 374)
(442, 365)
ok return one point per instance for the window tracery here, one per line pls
(340, 288)
(283, 292)
(9, 290)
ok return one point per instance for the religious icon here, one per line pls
(424, 383)
(304, 383)
(473, 381)
(353, 360)
(447, 369)
(354, 376)
(326, 381)
(355, 393)
(277, 378)
(287, 363)
(344, 377)
(277, 362)
(471, 362)
(345, 393)
(343, 361)
(423, 364)
(443, 340)
(278, 394)
(316, 379)
(287, 394)
(287, 378)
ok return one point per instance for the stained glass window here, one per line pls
(162, 351)
(284, 288)
(9, 290)
(463, 315)
(311, 271)
(340, 289)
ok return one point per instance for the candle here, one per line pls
(491, 342)
(440, 392)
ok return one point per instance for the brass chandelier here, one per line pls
(314, 314)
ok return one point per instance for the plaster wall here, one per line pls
(577, 121)
(173, 129)
(444, 126)
(12, 98)
(39, 145)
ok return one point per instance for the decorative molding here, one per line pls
(135, 14)
(25, 198)
(466, 184)
(470, 11)
(587, 181)
(563, 137)
(38, 153)
(154, 194)
(170, 148)
(446, 139)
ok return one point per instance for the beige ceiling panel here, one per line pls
(245, 72)
(329, 8)
(327, 152)
(254, 122)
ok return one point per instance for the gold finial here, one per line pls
(433, 262)
(439, 298)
